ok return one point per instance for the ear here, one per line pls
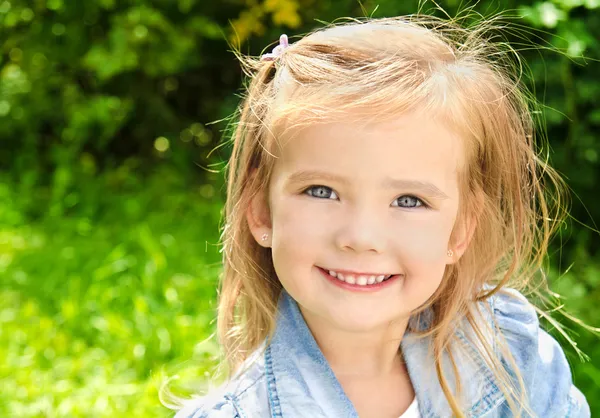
(259, 218)
(464, 231)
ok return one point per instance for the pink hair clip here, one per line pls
(283, 44)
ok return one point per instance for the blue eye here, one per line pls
(321, 192)
(408, 201)
(405, 201)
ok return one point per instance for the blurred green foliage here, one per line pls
(110, 197)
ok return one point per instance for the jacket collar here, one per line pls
(304, 382)
(301, 382)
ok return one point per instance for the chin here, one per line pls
(357, 321)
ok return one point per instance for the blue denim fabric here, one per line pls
(290, 377)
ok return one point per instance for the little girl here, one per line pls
(384, 201)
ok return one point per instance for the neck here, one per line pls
(361, 354)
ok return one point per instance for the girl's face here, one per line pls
(369, 199)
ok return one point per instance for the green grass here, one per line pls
(99, 304)
(109, 288)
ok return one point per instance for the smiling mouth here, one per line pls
(359, 279)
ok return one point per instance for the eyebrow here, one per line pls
(389, 183)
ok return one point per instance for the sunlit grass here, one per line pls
(95, 311)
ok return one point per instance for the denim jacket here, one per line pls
(290, 377)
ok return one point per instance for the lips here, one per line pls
(358, 281)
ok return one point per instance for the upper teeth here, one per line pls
(360, 279)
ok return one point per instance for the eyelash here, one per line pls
(421, 205)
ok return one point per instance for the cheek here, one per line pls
(296, 236)
(423, 248)
(301, 223)
(426, 241)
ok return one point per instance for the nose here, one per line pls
(361, 230)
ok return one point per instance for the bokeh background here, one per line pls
(111, 183)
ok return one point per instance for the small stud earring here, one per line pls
(265, 236)
(450, 253)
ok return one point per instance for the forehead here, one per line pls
(410, 146)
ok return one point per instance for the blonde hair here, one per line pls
(381, 68)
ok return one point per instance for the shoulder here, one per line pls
(243, 395)
(538, 356)
(213, 405)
